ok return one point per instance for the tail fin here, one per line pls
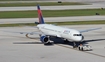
(41, 20)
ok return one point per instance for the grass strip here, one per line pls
(57, 23)
(51, 13)
(41, 3)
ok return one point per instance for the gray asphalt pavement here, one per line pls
(93, 6)
(17, 48)
(52, 19)
(26, 1)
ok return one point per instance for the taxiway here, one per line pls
(93, 6)
(52, 19)
(17, 48)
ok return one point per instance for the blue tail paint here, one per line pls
(41, 20)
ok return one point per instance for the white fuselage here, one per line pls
(62, 32)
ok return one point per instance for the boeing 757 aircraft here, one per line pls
(48, 30)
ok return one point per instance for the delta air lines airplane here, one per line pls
(48, 30)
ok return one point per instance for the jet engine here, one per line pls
(44, 39)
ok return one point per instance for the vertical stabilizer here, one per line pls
(41, 20)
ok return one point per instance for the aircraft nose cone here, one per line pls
(79, 38)
(82, 37)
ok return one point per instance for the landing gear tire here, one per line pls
(74, 45)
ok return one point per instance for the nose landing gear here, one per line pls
(74, 45)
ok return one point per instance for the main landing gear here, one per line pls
(66, 41)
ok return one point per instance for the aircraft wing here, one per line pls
(32, 33)
(82, 31)
(25, 32)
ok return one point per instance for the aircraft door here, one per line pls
(66, 34)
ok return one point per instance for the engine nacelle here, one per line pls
(44, 39)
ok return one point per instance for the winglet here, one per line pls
(41, 20)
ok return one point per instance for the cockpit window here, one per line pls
(77, 34)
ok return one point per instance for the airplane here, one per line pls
(48, 30)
